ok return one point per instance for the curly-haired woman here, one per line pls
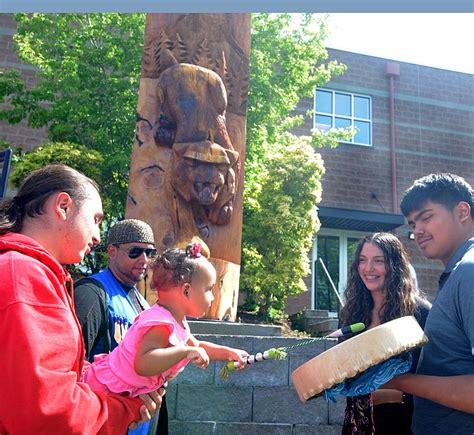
(379, 289)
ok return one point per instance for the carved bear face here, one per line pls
(200, 171)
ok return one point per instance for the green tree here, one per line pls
(286, 64)
(87, 89)
(283, 171)
(279, 234)
(77, 156)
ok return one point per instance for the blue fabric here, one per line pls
(142, 429)
(122, 312)
(371, 379)
(121, 308)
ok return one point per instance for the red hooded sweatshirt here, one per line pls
(42, 352)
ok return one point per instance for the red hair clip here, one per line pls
(196, 250)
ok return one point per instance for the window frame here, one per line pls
(352, 118)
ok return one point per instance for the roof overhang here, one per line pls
(357, 220)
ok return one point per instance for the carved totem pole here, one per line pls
(186, 176)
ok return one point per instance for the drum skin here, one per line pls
(351, 357)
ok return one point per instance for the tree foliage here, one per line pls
(87, 91)
(283, 171)
(76, 156)
(279, 234)
(286, 64)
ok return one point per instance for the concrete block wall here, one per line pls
(259, 399)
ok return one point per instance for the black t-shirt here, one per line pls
(90, 304)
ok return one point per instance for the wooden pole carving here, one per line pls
(186, 174)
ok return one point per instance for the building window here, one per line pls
(335, 109)
(336, 249)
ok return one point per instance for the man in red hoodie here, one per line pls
(53, 220)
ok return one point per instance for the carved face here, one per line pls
(200, 171)
(203, 181)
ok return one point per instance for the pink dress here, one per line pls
(115, 371)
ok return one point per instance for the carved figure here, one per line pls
(204, 173)
(185, 177)
(204, 163)
(193, 101)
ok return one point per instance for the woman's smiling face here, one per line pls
(372, 268)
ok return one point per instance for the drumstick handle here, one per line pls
(350, 329)
(260, 356)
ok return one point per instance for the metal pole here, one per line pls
(331, 281)
(5, 158)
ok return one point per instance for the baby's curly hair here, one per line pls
(175, 266)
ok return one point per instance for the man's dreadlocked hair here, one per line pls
(175, 266)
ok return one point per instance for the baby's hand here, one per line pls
(239, 356)
(198, 356)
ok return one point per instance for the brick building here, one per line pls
(430, 129)
(18, 134)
